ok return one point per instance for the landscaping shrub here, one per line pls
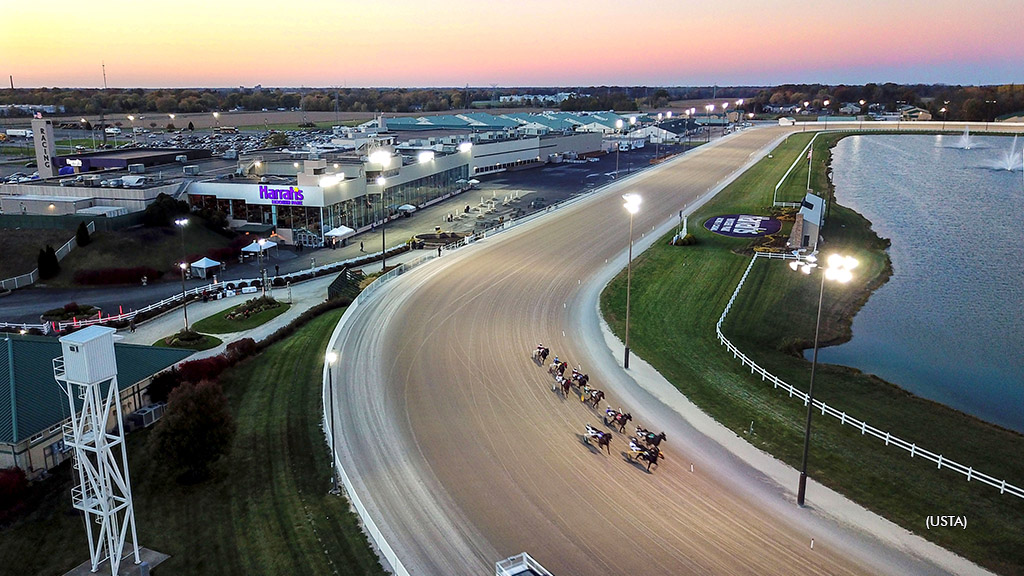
(82, 235)
(161, 385)
(69, 311)
(47, 263)
(13, 488)
(163, 210)
(253, 306)
(240, 350)
(302, 320)
(196, 429)
(278, 281)
(204, 368)
(688, 240)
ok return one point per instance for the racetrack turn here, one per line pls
(463, 454)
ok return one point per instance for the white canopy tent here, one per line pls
(406, 208)
(256, 247)
(203, 266)
(341, 232)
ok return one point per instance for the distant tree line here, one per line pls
(974, 103)
(970, 103)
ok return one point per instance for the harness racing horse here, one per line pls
(619, 417)
(648, 437)
(604, 439)
(554, 365)
(651, 455)
(565, 387)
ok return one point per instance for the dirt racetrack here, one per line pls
(464, 455)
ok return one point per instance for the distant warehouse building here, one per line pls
(365, 177)
(101, 183)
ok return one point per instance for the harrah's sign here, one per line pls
(290, 196)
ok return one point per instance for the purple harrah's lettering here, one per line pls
(290, 196)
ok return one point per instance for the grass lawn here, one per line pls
(265, 510)
(218, 324)
(20, 248)
(678, 293)
(205, 344)
(158, 248)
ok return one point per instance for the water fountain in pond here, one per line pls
(1010, 160)
(965, 142)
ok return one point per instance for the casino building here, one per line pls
(364, 181)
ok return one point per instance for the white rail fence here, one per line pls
(368, 523)
(33, 276)
(844, 418)
(213, 287)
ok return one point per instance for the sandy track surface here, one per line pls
(464, 455)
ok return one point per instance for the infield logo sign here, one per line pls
(742, 225)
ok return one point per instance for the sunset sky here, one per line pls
(192, 43)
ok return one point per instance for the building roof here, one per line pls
(812, 209)
(31, 401)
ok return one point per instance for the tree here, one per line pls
(47, 262)
(13, 488)
(196, 429)
(277, 139)
(82, 235)
(163, 210)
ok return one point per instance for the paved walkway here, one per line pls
(302, 297)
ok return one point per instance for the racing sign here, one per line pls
(743, 225)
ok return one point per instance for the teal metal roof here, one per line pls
(490, 120)
(31, 401)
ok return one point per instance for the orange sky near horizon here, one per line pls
(525, 43)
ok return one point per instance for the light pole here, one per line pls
(382, 157)
(825, 105)
(657, 145)
(690, 113)
(618, 144)
(92, 131)
(629, 160)
(943, 110)
(332, 357)
(707, 125)
(132, 118)
(216, 119)
(862, 113)
(838, 269)
(632, 206)
(181, 223)
(171, 116)
(263, 271)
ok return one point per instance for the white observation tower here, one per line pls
(87, 372)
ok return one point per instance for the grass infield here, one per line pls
(678, 294)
